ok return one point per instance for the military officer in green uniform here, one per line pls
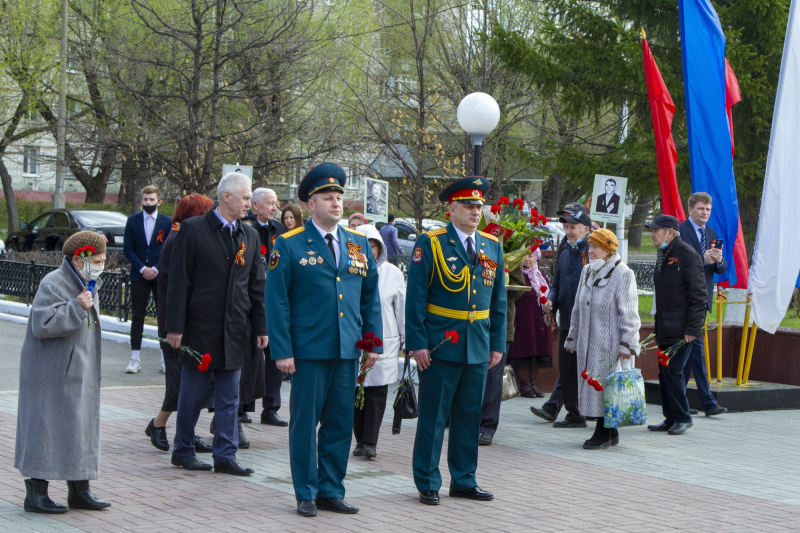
(322, 296)
(455, 283)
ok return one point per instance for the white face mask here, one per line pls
(95, 271)
(597, 264)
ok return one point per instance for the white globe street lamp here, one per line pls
(478, 114)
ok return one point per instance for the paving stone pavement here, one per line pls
(736, 472)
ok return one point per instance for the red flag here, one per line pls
(733, 97)
(663, 109)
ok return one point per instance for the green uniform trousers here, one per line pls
(322, 393)
(454, 391)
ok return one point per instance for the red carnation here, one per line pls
(584, 375)
(543, 219)
(452, 335)
(360, 379)
(369, 335)
(534, 221)
(598, 388)
(263, 250)
(592, 381)
(503, 200)
(543, 288)
(519, 203)
(447, 216)
(496, 209)
(534, 213)
(377, 342)
(89, 250)
(542, 300)
(206, 360)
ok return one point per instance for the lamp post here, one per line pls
(478, 114)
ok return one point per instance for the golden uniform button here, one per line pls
(338, 279)
(473, 277)
(340, 296)
(473, 307)
(474, 291)
(341, 315)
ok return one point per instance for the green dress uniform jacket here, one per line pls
(316, 312)
(446, 293)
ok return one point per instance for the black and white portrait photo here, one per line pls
(377, 199)
(608, 199)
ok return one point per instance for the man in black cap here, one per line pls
(680, 294)
(572, 257)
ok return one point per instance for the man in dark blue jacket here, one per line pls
(145, 233)
(561, 298)
(701, 237)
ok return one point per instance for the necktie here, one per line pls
(329, 238)
(470, 251)
(702, 240)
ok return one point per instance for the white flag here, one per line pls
(776, 258)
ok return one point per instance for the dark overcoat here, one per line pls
(217, 305)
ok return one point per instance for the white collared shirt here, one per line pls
(335, 234)
(149, 225)
(463, 238)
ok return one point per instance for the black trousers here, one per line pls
(568, 375)
(141, 289)
(272, 382)
(493, 395)
(367, 421)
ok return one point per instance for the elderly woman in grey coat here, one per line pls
(58, 416)
(604, 328)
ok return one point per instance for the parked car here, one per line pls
(48, 231)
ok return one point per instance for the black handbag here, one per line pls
(405, 399)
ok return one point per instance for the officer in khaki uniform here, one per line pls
(455, 283)
(322, 296)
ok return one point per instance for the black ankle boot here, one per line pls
(37, 500)
(601, 438)
(81, 497)
(243, 442)
(614, 436)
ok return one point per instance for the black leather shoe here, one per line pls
(569, 424)
(243, 442)
(716, 410)
(544, 415)
(244, 418)
(369, 451)
(693, 412)
(272, 419)
(429, 497)
(472, 493)
(190, 463)
(233, 468)
(200, 446)
(614, 436)
(337, 505)
(37, 500)
(158, 436)
(358, 451)
(663, 426)
(81, 497)
(679, 428)
(307, 508)
(485, 439)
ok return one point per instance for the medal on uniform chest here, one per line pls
(312, 260)
(303, 261)
(356, 261)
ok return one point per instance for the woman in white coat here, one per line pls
(604, 328)
(392, 288)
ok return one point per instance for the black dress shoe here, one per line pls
(243, 442)
(485, 439)
(272, 419)
(307, 508)
(80, 497)
(663, 426)
(337, 505)
(693, 411)
(200, 446)
(190, 463)
(244, 418)
(569, 424)
(358, 451)
(472, 493)
(369, 451)
(543, 414)
(158, 436)
(679, 428)
(716, 410)
(233, 468)
(429, 497)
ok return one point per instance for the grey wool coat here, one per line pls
(58, 416)
(605, 323)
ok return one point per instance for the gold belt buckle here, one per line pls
(471, 315)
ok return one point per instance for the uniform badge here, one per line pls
(417, 257)
(319, 260)
(452, 258)
(311, 252)
(273, 239)
(303, 261)
(312, 260)
(453, 267)
(274, 259)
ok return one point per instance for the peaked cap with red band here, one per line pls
(469, 190)
(321, 178)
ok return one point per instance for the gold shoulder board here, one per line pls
(438, 231)
(488, 236)
(293, 232)
(354, 231)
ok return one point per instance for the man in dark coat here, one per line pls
(216, 296)
(680, 293)
(702, 237)
(265, 207)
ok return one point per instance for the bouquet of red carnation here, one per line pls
(366, 345)
(592, 381)
(203, 360)
(518, 234)
(86, 253)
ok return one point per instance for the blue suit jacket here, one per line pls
(425, 330)
(135, 246)
(689, 236)
(319, 311)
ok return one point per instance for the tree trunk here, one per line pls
(643, 204)
(551, 196)
(11, 203)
